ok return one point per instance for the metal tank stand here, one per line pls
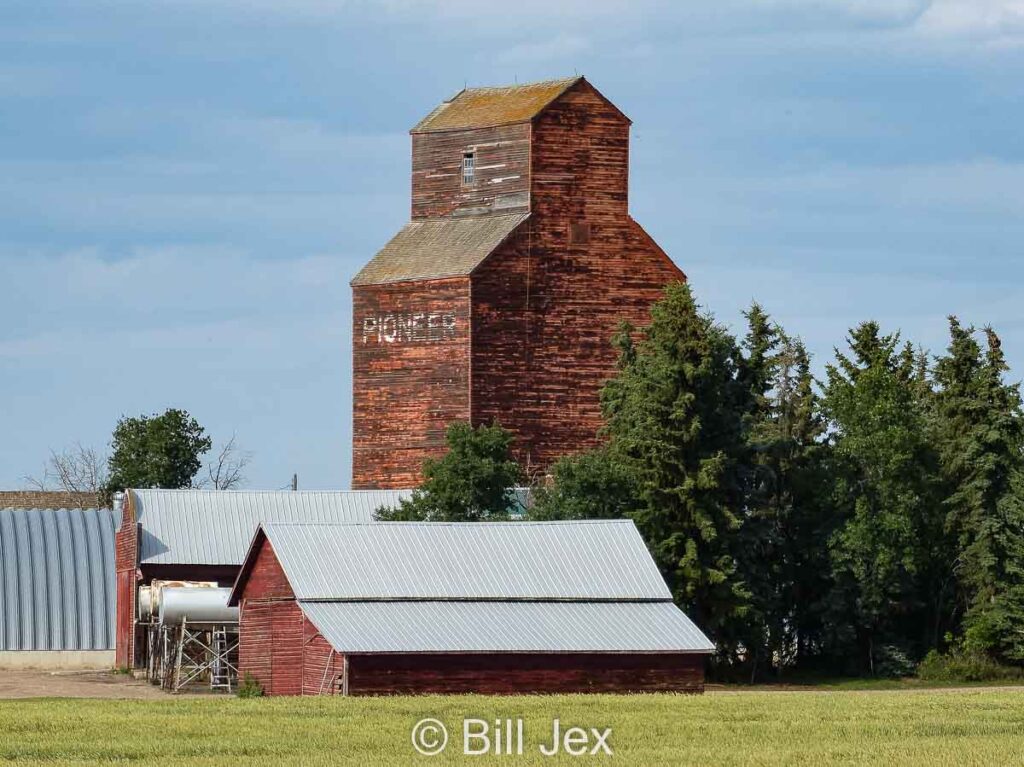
(205, 649)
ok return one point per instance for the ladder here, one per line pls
(220, 672)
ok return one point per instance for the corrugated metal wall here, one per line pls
(57, 579)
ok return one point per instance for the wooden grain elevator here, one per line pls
(498, 300)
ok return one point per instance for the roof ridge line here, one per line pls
(481, 523)
(491, 600)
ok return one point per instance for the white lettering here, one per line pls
(479, 735)
(430, 327)
(602, 741)
(575, 741)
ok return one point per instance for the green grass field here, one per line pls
(974, 726)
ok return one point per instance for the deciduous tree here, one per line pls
(474, 481)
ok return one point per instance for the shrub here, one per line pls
(960, 666)
(250, 687)
(893, 663)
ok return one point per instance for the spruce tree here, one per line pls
(884, 497)
(675, 418)
(981, 428)
(781, 535)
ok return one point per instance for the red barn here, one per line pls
(514, 607)
(498, 300)
(203, 535)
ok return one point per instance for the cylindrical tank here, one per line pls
(196, 606)
(156, 590)
(145, 603)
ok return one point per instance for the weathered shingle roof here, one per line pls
(437, 248)
(215, 527)
(403, 627)
(488, 107)
(57, 579)
(578, 560)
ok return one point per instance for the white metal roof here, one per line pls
(57, 579)
(578, 560)
(410, 627)
(215, 527)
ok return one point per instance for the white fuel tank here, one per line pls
(203, 605)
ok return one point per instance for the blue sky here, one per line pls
(186, 186)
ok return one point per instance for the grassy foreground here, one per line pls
(977, 726)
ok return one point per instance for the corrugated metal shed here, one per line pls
(488, 107)
(578, 560)
(438, 248)
(409, 627)
(57, 579)
(205, 527)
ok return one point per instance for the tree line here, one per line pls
(147, 451)
(852, 524)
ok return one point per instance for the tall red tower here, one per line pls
(498, 300)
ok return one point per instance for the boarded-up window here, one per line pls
(579, 233)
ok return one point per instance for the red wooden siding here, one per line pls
(284, 651)
(580, 159)
(501, 175)
(126, 562)
(271, 628)
(507, 674)
(541, 309)
(545, 307)
(406, 392)
(321, 665)
(255, 637)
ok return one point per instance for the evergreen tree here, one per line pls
(981, 428)
(474, 481)
(674, 417)
(782, 554)
(884, 497)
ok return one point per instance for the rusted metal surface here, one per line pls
(541, 308)
(485, 107)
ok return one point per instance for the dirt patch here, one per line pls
(77, 684)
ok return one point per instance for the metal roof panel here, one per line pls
(215, 527)
(580, 560)
(413, 627)
(57, 579)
